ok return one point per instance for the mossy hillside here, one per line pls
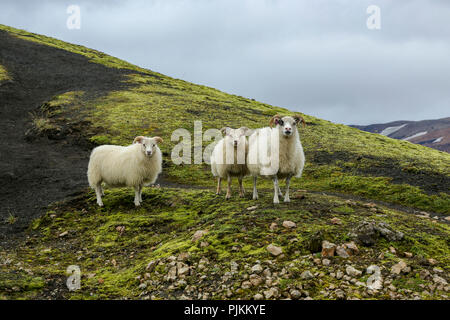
(339, 158)
(373, 166)
(114, 244)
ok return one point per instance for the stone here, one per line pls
(326, 262)
(295, 294)
(257, 268)
(271, 293)
(172, 274)
(255, 280)
(252, 208)
(336, 221)
(182, 268)
(432, 261)
(328, 249)
(424, 274)
(339, 274)
(273, 226)
(352, 272)
(341, 252)
(438, 280)
(274, 250)
(198, 234)
(246, 285)
(368, 232)
(351, 247)
(408, 254)
(289, 224)
(397, 268)
(340, 294)
(258, 296)
(375, 281)
(151, 265)
(183, 256)
(306, 275)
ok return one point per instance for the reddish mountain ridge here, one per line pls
(430, 133)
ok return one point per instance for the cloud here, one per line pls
(317, 57)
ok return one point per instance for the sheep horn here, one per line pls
(275, 117)
(298, 119)
(138, 139)
(158, 140)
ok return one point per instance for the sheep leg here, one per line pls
(140, 193)
(219, 182)
(275, 190)
(137, 203)
(103, 191)
(255, 192)
(286, 196)
(228, 196)
(241, 187)
(98, 192)
(279, 192)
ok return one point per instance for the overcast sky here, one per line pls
(314, 56)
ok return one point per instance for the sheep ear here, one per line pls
(138, 139)
(299, 119)
(274, 120)
(158, 140)
(225, 130)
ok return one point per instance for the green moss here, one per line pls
(3, 74)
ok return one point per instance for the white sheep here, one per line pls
(136, 165)
(228, 158)
(277, 153)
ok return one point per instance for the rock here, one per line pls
(351, 248)
(397, 268)
(408, 254)
(142, 286)
(183, 256)
(340, 250)
(271, 293)
(252, 208)
(424, 274)
(172, 274)
(258, 296)
(375, 281)
(182, 268)
(273, 226)
(255, 280)
(352, 272)
(339, 274)
(289, 224)
(392, 250)
(257, 268)
(328, 249)
(198, 234)
(295, 294)
(432, 261)
(274, 250)
(267, 273)
(369, 205)
(63, 234)
(151, 265)
(306, 275)
(336, 221)
(326, 262)
(204, 244)
(246, 285)
(438, 280)
(368, 232)
(340, 294)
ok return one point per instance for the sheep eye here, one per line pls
(280, 122)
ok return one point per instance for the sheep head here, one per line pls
(149, 145)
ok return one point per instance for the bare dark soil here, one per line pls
(35, 173)
(430, 182)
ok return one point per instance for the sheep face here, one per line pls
(235, 137)
(287, 124)
(149, 145)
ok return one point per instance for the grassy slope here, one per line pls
(339, 159)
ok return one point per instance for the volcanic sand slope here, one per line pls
(90, 98)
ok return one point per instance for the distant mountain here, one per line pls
(430, 133)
